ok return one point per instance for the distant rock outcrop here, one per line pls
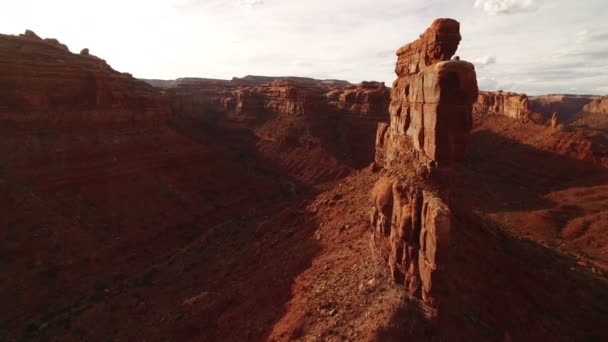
(329, 115)
(430, 119)
(555, 120)
(568, 106)
(43, 76)
(513, 105)
(597, 105)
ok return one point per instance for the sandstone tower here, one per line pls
(430, 121)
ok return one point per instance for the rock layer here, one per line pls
(597, 105)
(331, 119)
(568, 106)
(513, 105)
(43, 76)
(430, 119)
(555, 120)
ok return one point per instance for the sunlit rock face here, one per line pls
(598, 105)
(42, 76)
(430, 120)
(334, 118)
(513, 105)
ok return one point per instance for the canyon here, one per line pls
(290, 208)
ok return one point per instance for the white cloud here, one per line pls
(599, 34)
(249, 3)
(602, 90)
(485, 61)
(540, 52)
(496, 7)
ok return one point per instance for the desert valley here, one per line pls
(296, 209)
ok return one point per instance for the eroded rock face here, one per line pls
(315, 115)
(430, 119)
(43, 76)
(555, 120)
(368, 99)
(568, 106)
(597, 105)
(438, 43)
(253, 96)
(513, 105)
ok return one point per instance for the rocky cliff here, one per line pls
(252, 96)
(597, 105)
(513, 105)
(42, 76)
(569, 107)
(292, 116)
(430, 119)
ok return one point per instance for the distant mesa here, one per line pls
(30, 34)
(513, 105)
(47, 77)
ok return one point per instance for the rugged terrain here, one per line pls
(232, 210)
(317, 130)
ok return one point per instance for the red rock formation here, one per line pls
(364, 99)
(597, 105)
(554, 120)
(569, 106)
(508, 104)
(39, 75)
(254, 96)
(330, 119)
(431, 106)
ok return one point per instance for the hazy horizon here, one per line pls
(528, 46)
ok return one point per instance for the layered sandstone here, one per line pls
(568, 106)
(597, 105)
(430, 119)
(42, 76)
(512, 105)
(330, 120)
(252, 96)
(369, 99)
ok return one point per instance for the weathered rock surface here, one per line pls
(555, 120)
(438, 43)
(330, 121)
(513, 105)
(253, 96)
(43, 76)
(430, 111)
(568, 106)
(597, 105)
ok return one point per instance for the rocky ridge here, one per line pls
(597, 105)
(568, 106)
(43, 76)
(330, 121)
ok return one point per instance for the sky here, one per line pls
(529, 46)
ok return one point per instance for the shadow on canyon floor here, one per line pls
(166, 233)
(503, 288)
(500, 174)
